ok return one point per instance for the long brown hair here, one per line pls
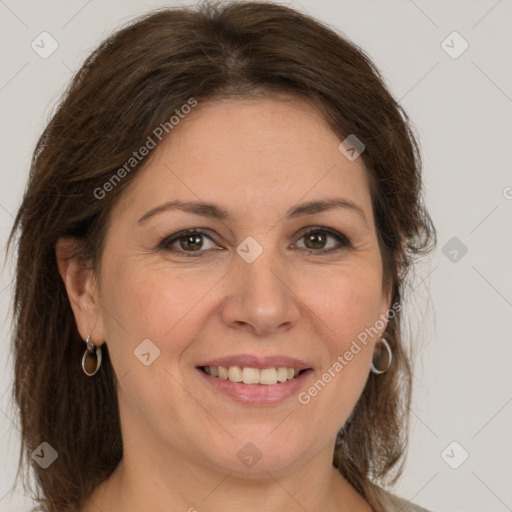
(131, 84)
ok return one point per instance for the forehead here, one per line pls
(249, 154)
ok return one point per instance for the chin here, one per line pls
(253, 454)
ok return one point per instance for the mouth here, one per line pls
(254, 376)
(267, 386)
(255, 380)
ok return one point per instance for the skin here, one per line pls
(256, 158)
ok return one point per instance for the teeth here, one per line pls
(235, 374)
(250, 376)
(283, 374)
(266, 376)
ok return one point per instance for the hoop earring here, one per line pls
(390, 358)
(91, 360)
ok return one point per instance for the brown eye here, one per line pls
(316, 240)
(193, 242)
(187, 242)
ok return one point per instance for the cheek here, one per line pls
(348, 308)
(156, 303)
(150, 303)
(349, 305)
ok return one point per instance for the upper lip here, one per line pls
(259, 362)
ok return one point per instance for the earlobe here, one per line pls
(80, 283)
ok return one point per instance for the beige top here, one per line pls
(396, 504)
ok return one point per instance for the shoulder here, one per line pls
(397, 504)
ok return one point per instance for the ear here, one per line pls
(81, 285)
(387, 293)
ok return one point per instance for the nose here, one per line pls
(261, 296)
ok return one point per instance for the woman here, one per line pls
(222, 211)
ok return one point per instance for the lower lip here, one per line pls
(257, 394)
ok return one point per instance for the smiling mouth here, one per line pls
(253, 376)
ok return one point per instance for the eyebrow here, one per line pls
(218, 212)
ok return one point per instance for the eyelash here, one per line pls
(168, 241)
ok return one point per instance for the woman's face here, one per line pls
(253, 289)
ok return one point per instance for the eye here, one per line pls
(192, 241)
(315, 240)
(189, 241)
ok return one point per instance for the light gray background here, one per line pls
(460, 310)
